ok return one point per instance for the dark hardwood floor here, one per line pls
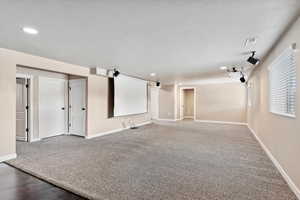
(17, 185)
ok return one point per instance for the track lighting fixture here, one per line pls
(232, 70)
(235, 73)
(157, 84)
(242, 79)
(116, 73)
(252, 60)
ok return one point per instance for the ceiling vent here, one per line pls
(250, 41)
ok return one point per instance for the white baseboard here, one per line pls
(103, 133)
(167, 120)
(188, 117)
(222, 122)
(21, 138)
(115, 130)
(205, 121)
(286, 177)
(8, 157)
(35, 139)
(143, 124)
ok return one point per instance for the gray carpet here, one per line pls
(183, 160)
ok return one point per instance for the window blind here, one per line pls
(283, 84)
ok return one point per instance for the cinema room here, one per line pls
(150, 100)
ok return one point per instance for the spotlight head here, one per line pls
(116, 73)
(234, 69)
(157, 84)
(242, 79)
(253, 60)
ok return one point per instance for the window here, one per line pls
(283, 84)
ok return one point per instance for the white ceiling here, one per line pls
(177, 40)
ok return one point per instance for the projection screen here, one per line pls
(130, 96)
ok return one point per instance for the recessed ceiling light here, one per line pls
(30, 30)
(152, 74)
(223, 68)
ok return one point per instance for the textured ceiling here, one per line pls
(178, 40)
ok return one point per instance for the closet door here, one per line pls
(21, 104)
(52, 109)
(77, 105)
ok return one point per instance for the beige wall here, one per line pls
(280, 134)
(7, 106)
(221, 102)
(215, 101)
(97, 122)
(97, 109)
(188, 103)
(166, 102)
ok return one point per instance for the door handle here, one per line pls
(63, 108)
(82, 108)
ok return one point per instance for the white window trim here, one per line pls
(283, 114)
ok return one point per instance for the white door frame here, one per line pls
(29, 114)
(181, 101)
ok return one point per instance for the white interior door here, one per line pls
(77, 107)
(21, 103)
(52, 110)
(154, 102)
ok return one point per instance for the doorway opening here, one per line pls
(188, 103)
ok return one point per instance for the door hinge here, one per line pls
(27, 107)
(27, 129)
(27, 86)
(69, 124)
(70, 88)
